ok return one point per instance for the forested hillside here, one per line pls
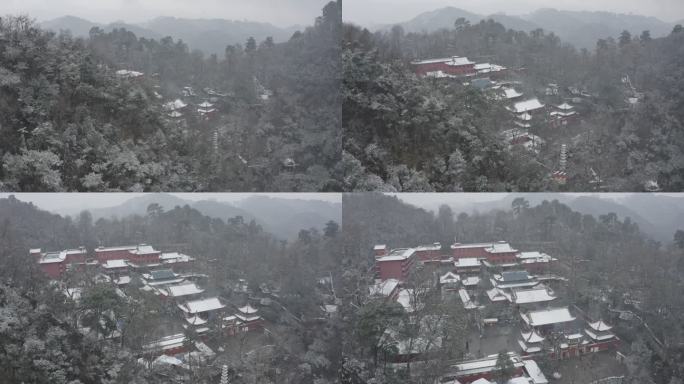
(39, 339)
(117, 112)
(407, 133)
(606, 260)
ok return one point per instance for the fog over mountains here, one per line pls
(210, 36)
(580, 28)
(657, 215)
(282, 217)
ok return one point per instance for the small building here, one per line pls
(546, 320)
(530, 107)
(599, 331)
(536, 262)
(562, 115)
(55, 264)
(185, 291)
(468, 265)
(513, 279)
(396, 265)
(161, 277)
(380, 250)
(531, 342)
(530, 297)
(449, 281)
(168, 345)
(199, 312)
(453, 66)
(176, 261)
(500, 253)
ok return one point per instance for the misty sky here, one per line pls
(70, 202)
(282, 13)
(373, 12)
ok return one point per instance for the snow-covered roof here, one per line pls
(247, 318)
(531, 337)
(470, 281)
(206, 104)
(534, 372)
(174, 105)
(599, 336)
(175, 114)
(481, 380)
(526, 106)
(58, 257)
(524, 117)
(175, 257)
(182, 290)
(511, 93)
(471, 245)
(34, 250)
(484, 365)
(547, 316)
(117, 263)
(431, 247)
(465, 299)
(398, 254)
(248, 310)
(534, 295)
(565, 107)
(168, 360)
(495, 294)
(143, 249)
(121, 280)
(380, 247)
(600, 326)
(532, 348)
(449, 278)
(168, 342)
(467, 262)
(384, 288)
(454, 61)
(458, 61)
(500, 248)
(112, 249)
(198, 306)
(128, 73)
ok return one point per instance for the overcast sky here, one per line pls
(70, 202)
(282, 13)
(373, 12)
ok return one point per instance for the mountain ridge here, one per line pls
(580, 28)
(210, 36)
(284, 218)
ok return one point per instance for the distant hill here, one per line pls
(583, 29)
(657, 216)
(580, 28)
(284, 218)
(208, 35)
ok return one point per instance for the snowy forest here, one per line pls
(404, 132)
(83, 328)
(607, 260)
(114, 112)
